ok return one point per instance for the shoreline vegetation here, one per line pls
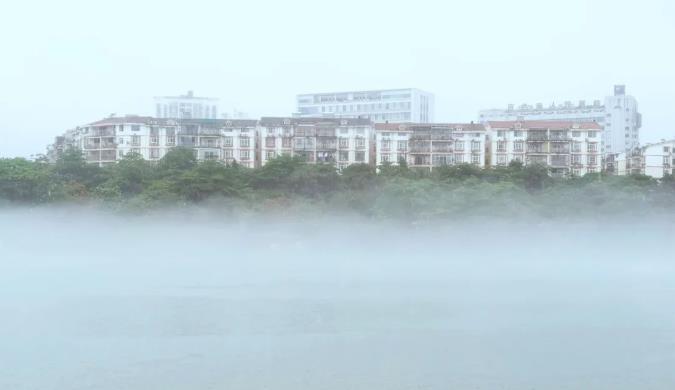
(288, 186)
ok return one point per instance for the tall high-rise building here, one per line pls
(618, 116)
(391, 105)
(186, 106)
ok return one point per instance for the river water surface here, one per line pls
(107, 303)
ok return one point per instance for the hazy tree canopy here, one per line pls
(393, 191)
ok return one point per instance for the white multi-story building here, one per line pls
(425, 146)
(341, 142)
(393, 105)
(108, 140)
(567, 148)
(618, 116)
(186, 106)
(655, 160)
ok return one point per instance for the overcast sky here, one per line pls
(66, 63)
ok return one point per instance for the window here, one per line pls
(244, 155)
(666, 149)
(459, 158)
(386, 144)
(576, 147)
(135, 127)
(270, 142)
(501, 133)
(343, 156)
(344, 142)
(154, 153)
(344, 130)
(385, 157)
(592, 148)
(591, 134)
(286, 142)
(154, 140)
(269, 155)
(475, 146)
(501, 159)
(475, 159)
(459, 145)
(228, 154)
(244, 142)
(121, 127)
(360, 156)
(170, 140)
(501, 146)
(402, 146)
(576, 134)
(517, 133)
(518, 146)
(136, 140)
(227, 142)
(360, 143)
(576, 159)
(210, 155)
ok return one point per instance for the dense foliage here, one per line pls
(289, 185)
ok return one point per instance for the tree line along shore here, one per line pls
(288, 184)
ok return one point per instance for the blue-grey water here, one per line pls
(92, 301)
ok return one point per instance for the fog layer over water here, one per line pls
(93, 301)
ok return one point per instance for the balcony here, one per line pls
(559, 162)
(560, 138)
(442, 148)
(326, 145)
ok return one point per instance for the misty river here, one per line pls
(102, 302)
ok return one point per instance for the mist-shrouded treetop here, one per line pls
(288, 183)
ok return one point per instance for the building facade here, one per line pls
(567, 148)
(108, 140)
(427, 146)
(655, 160)
(187, 106)
(394, 105)
(342, 142)
(618, 115)
(249, 143)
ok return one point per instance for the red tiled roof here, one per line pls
(413, 126)
(554, 125)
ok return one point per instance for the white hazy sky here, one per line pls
(65, 63)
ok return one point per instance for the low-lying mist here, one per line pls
(205, 299)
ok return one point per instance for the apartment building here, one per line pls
(220, 140)
(106, 141)
(567, 148)
(655, 160)
(426, 146)
(339, 141)
(618, 116)
(391, 105)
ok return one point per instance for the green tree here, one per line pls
(177, 160)
(25, 181)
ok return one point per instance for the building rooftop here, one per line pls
(363, 91)
(552, 125)
(280, 121)
(414, 126)
(145, 120)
